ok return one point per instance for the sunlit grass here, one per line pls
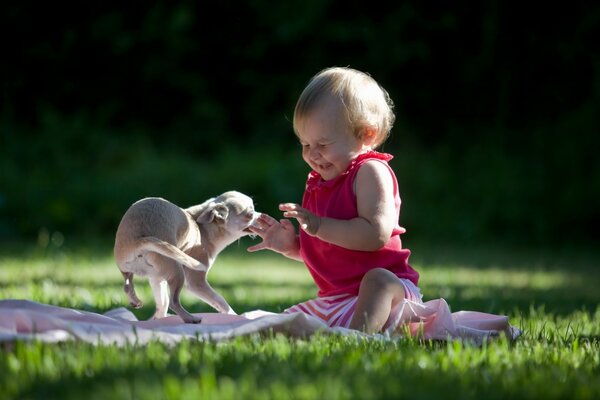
(555, 302)
(497, 277)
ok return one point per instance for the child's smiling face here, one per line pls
(328, 143)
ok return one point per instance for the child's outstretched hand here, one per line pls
(308, 221)
(279, 236)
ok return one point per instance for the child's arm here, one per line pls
(279, 236)
(372, 229)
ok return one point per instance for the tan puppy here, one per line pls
(172, 246)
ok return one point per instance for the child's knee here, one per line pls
(382, 279)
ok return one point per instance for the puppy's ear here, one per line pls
(220, 213)
(217, 212)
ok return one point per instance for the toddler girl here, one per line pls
(349, 234)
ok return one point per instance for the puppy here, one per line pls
(172, 246)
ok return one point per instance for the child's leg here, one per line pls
(380, 290)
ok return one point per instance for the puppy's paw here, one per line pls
(192, 320)
(136, 304)
(159, 316)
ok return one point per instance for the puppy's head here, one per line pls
(232, 211)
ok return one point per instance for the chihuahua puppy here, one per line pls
(174, 246)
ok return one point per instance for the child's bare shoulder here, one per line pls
(373, 175)
(373, 169)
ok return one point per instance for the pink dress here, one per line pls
(338, 271)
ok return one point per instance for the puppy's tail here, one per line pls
(151, 243)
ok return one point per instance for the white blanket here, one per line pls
(28, 320)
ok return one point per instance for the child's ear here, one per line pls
(368, 134)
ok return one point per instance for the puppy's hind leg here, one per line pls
(160, 290)
(129, 289)
(167, 282)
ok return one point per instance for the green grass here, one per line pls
(553, 296)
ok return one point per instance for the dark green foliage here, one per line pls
(102, 104)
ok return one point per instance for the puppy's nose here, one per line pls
(249, 216)
(253, 216)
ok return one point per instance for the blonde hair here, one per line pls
(365, 102)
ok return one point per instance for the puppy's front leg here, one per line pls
(197, 283)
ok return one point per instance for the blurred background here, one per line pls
(104, 103)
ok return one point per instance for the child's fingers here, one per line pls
(263, 222)
(286, 224)
(257, 247)
(301, 215)
(289, 207)
(260, 231)
(267, 219)
(291, 214)
(293, 210)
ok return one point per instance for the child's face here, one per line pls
(328, 144)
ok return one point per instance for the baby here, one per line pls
(349, 234)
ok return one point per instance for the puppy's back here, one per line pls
(151, 216)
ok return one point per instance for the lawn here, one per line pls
(553, 296)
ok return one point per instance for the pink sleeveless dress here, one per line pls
(338, 271)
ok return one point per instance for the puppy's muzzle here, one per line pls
(255, 216)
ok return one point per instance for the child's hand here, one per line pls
(279, 236)
(308, 221)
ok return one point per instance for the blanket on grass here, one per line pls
(28, 320)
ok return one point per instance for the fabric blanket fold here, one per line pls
(29, 320)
